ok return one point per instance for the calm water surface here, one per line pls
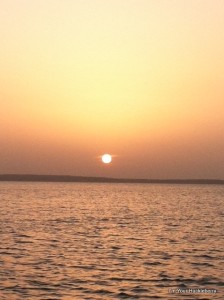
(110, 241)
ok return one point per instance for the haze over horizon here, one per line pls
(139, 79)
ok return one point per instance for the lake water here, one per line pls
(111, 241)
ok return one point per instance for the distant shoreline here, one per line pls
(69, 178)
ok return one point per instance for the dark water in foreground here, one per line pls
(111, 241)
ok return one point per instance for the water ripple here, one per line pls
(108, 241)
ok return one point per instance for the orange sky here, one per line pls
(140, 79)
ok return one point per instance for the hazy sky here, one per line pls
(140, 79)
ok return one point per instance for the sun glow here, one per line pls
(139, 80)
(106, 158)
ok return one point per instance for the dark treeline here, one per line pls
(67, 178)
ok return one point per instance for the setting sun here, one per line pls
(106, 158)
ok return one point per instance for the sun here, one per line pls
(106, 158)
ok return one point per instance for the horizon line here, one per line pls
(75, 178)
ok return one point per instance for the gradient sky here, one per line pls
(140, 79)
